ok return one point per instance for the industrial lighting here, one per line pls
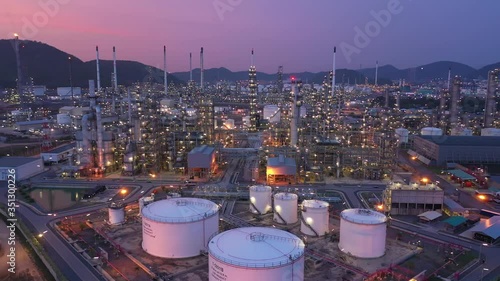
(425, 180)
(481, 197)
(123, 191)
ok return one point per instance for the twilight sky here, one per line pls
(297, 34)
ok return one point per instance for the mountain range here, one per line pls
(50, 66)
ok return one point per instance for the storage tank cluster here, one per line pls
(362, 233)
(285, 208)
(178, 227)
(314, 218)
(260, 199)
(256, 253)
(431, 131)
(116, 213)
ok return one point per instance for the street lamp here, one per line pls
(480, 252)
(482, 272)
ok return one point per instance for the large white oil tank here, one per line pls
(314, 217)
(402, 135)
(490, 132)
(285, 208)
(256, 253)
(63, 119)
(178, 227)
(229, 124)
(362, 233)
(431, 131)
(116, 213)
(272, 113)
(260, 199)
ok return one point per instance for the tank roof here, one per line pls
(286, 196)
(363, 216)
(315, 204)
(260, 188)
(180, 210)
(256, 247)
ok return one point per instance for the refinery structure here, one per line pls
(333, 129)
(259, 180)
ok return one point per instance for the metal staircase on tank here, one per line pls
(279, 215)
(255, 208)
(308, 225)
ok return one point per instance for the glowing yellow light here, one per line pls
(481, 197)
(425, 180)
(123, 191)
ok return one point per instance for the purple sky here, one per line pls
(297, 34)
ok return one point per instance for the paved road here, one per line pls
(71, 263)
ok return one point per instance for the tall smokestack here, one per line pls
(449, 78)
(115, 90)
(92, 96)
(98, 69)
(398, 100)
(165, 69)
(19, 69)
(129, 106)
(490, 104)
(190, 67)
(386, 104)
(455, 97)
(295, 115)
(251, 59)
(201, 69)
(333, 76)
(376, 73)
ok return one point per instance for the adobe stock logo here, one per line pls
(363, 37)
(223, 6)
(40, 19)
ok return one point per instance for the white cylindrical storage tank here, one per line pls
(179, 227)
(116, 213)
(256, 253)
(362, 233)
(285, 208)
(260, 199)
(314, 218)
(402, 135)
(431, 131)
(63, 119)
